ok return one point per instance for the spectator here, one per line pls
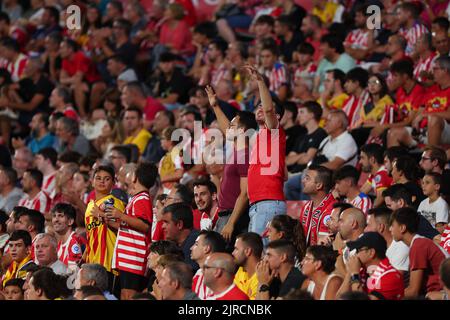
(359, 41)
(19, 249)
(119, 70)
(89, 293)
(433, 160)
(318, 266)
(378, 220)
(289, 36)
(45, 161)
(218, 271)
(275, 70)
(205, 196)
(346, 185)
(61, 101)
(333, 95)
(411, 28)
(405, 171)
(22, 161)
(170, 166)
(46, 250)
(247, 253)
(70, 138)
(46, 285)
(34, 198)
(13, 289)
(424, 50)
(10, 195)
(425, 256)
(215, 70)
(31, 221)
(279, 260)
(47, 24)
(207, 242)
(356, 87)
(176, 282)
(95, 275)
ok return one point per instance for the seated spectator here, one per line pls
(70, 138)
(46, 285)
(356, 87)
(13, 289)
(19, 249)
(61, 101)
(92, 274)
(46, 250)
(135, 133)
(425, 256)
(10, 195)
(170, 167)
(176, 282)
(290, 126)
(205, 197)
(405, 171)
(89, 293)
(45, 160)
(318, 266)
(333, 95)
(21, 161)
(423, 70)
(346, 185)
(359, 41)
(290, 37)
(120, 71)
(47, 24)
(215, 70)
(434, 159)
(304, 74)
(279, 260)
(383, 280)
(34, 198)
(218, 271)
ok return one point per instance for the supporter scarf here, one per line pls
(311, 218)
(15, 270)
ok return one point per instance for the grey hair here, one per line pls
(27, 153)
(52, 239)
(181, 272)
(96, 272)
(342, 116)
(70, 125)
(444, 63)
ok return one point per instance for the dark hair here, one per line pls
(253, 241)
(146, 174)
(306, 48)
(137, 87)
(68, 210)
(437, 153)
(54, 13)
(286, 20)
(214, 240)
(192, 109)
(384, 88)
(247, 120)
(408, 217)
(412, 8)
(338, 75)
(265, 19)
(358, 75)
(169, 115)
(314, 108)
(354, 296)
(49, 154)
(284, 247)
(292, 107)
(123, 24)
(408, 166)
(11, 173)
(444, 272)
(207, 183)
(437, 177)
(17, 282)
(72, 44)
(167, 57)
(345, 172)
(362, 8)
(108, 169)
(162, 247)
(116, 4)
(333, 41)
(374, 150)
(398, 192)
(143, 296)
(5, 17)
(404, 67)
(326, 255)
(70, 125)
(119, 58)
(383, 213)
(3, 218)
(342, 206)
(37, 176)
(10, 44)
(442, 22)
(181, 272)
(181, 212)
(134, 109)
(207, 28)
(21, 235)
(393, 153)
(69, 157)
(184, 193)
(35, 217)
(293, 231)
(123, 150)
(220, 45)
(88, 291)
(324, 176)
(271, 46)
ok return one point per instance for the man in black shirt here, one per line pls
(434, 160)
(290, 38)
(293, 131)
(276, 273)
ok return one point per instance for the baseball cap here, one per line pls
(371, 240)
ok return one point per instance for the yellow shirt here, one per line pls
(140, 140)
(15, 270)
(326, 14)
(246, 284)
(378, 110)
(170, 162)
(334, 103)
(100, 239)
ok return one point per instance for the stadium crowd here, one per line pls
(267, 152)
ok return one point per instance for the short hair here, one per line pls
(167, 57)
(333, 41)
(52, 284)
(207, 28)
(134, 109)
(72, 44)
(382, 213)
(374, 150)
(51, 238)
(54, 13)
(254, 241)
(108, 169)
(292, 107)
(37, 176)
(146, 174)
(67, 209)
(403, 67)
(341, 115)
(408, 217)
(181, 212)
(71, 125)
(136, 87)
(88, 291)
(124, 24)
(214, 240)
(338, 75)
(354, 296)
(284, 247)
(306, 48)
(342, 206)
(177, 10)
(70, 157)
(192, 109)
(21, 235)
(349, 172)
(326, 255)
(184, 193)
(169, 115)
(442, 22)
(5, 17)
(220, 45)
(314, 108)
(247, 120)
(123, 150)
(11, 174)
(398, 192)
(358, 75)
(10, 44)
(162, 247)
(3, 219)
(272, 47)
(437, 153)
(444, 272)
(436, 177)
(324, 176)
(408, 166)
(96, 272)
(393, 153)
(207, 183)
(412, 8)
(116, 4)
(49, 153)
(265, 19)
(17, 282)
(119, 58)
(181, 272)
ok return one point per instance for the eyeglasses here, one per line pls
(361, 249)
(426, 158)
(306, 258)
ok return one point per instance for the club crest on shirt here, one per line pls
(377, 178)
(76, 249)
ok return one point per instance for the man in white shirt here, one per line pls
(47, 255)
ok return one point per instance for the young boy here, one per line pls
(306, 70)
(13, 289)
(434, 208)
(170, 167)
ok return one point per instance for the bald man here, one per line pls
(218, 272)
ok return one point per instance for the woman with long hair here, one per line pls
(112, 135)
(318, 265)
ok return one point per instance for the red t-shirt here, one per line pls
(445, 239)
(80, 62)
(266, 170)
(386, 280)
(381, 180)
(407, 102)
(70, 252)
(232, 293)
(437, 99)
(152, 107)
(426, 255)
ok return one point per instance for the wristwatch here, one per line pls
(355, 278)
(264, 288)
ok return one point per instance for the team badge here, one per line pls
(76, 249)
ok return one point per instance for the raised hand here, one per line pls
(253, 72)
(211, 96)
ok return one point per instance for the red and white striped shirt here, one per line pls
(15, 68)
(218, 74)
(278, 76)
(208, 223)
(41, 202)
(132, 246)
(424, 65)
(358, 39)
(199, 287)
(69, 252)
(352, 107)
(412, 35)
(49, 183)
(362, 202)
(386, 280)
(445, 239)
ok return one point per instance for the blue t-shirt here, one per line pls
(45, 142)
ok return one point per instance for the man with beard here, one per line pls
(357, 42)
(69, 244)
(205, 196)
(34, 197)
(378, 180)
(434, 159)
(215, 69)
(45, 161)
(346, 185)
